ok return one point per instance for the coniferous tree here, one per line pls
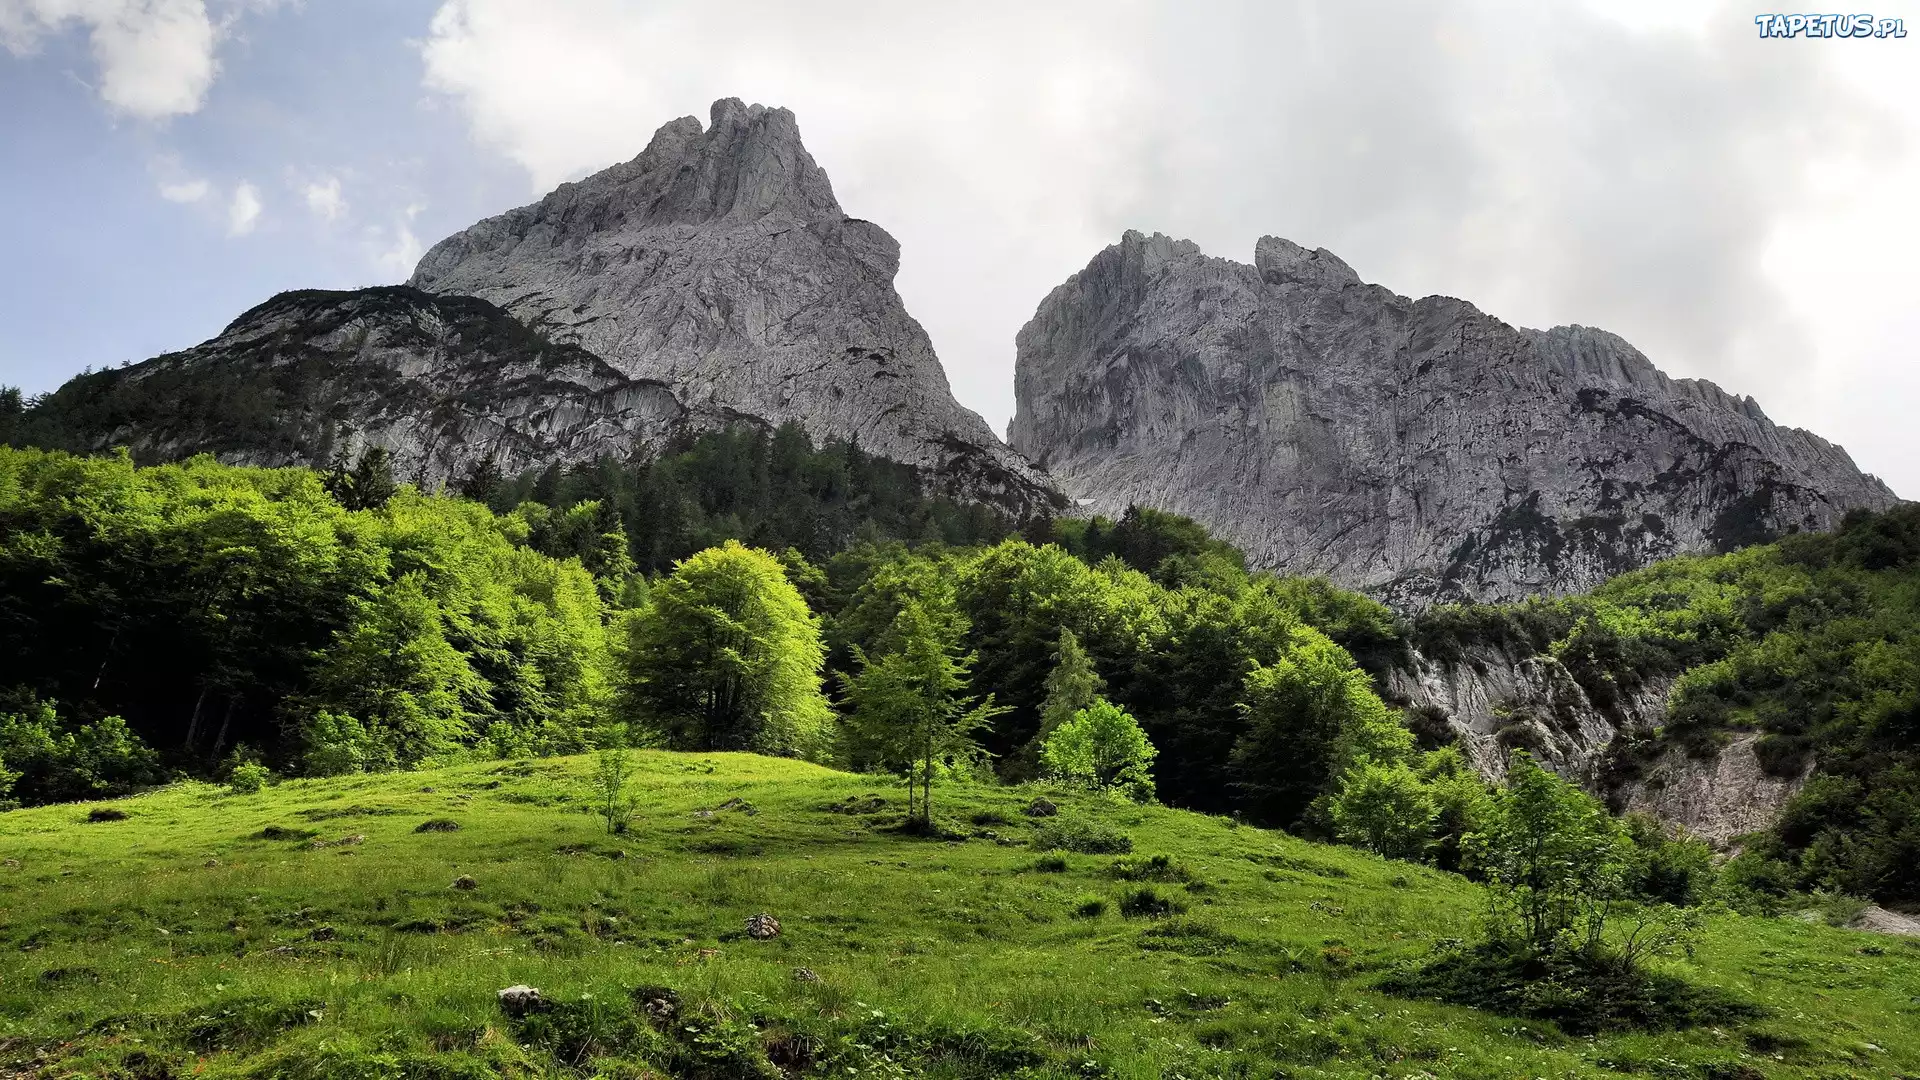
(911, 709)
(1073, 685)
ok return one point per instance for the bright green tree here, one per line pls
(1554, 859)
(726, 656)
(1385, 809)
(1101, 746)
(1311, 716)
(911, 709)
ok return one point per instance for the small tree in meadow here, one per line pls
(612, 779)
(1103, 747)
(1560, 871)
(911, 708)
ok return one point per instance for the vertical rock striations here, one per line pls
(1418, 449)
(719, 263)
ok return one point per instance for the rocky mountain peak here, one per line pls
(719, 263)
(1422, 450)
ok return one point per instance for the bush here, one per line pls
(1584, 994)
(1146, 902)
(1089, 906)
(1102, 747)
(48, 762)
(1083, 837)
(1158, 868)
(248, 778)
(1384, 809)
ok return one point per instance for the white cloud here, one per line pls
(156, 57)
(1645, 166)
(401, 252)
(187, 191)
(243, 210)
(323, 198)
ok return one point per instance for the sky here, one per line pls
(1742, 209)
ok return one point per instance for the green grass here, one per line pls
(213, 934)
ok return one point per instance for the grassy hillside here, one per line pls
(315, 930)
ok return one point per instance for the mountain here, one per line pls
(1420, 450)
(719, 263)
(712, 280)
(440, 381)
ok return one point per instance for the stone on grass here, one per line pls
(438, 825)
(465, 883)
(1041, 806)
(806, 975)
(762, 926)
(521, 1000)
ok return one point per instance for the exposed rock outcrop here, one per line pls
(1418, 449)
(1719, 798)
(441, 381)
(1493, 702)
(719, 263)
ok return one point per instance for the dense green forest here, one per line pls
(744, 590)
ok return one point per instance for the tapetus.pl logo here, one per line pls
(1829, 26)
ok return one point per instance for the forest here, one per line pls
(745, 590)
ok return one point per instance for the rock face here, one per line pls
(441, 381)
(719, 263)
(1417, 449)
(1495, 702)
(1718, 799)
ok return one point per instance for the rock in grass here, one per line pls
(762, 926)
(1041, 807)
(660, 1003)
(465, 883)
(521, 1000)
(106, 813)
(438, 824)
(806, 975)
(345, 841)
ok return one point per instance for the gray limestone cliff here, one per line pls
(441, 381)
(719, 263)
(1489, 701)
(1420, 450)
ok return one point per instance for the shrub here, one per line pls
(1102, 747)
(612, 779)
(1158, 868)
(1146, 902)
(1083, 837)
(49, 762)
(248, 778)
(1089, 906)
(1385, 809)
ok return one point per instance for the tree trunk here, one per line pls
(193, 726)
(226, 721)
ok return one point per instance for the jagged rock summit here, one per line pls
(718, 262)
(1418, 449)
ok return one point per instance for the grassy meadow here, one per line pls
(361, 927)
